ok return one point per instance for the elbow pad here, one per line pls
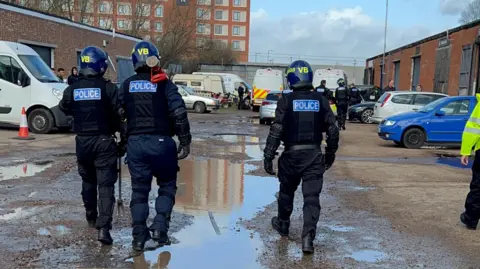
(182, 126)
(273, 141)
(333, 136)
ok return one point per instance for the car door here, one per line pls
(402, 103)
(12, 96)
(423, 99)
(449, 128)
(186, 98)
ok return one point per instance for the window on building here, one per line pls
(158, 26)
(103, 7)
(236, 16)
(79, 59)
(9, 69)
(86, 20)
(102, 23)
(159, 11)
(201, 2)
(218, 29)
(201, 13)
(201, 28)
(237, 3)
(236, 45)
(219, 15)
(121, 24)
(236, 30)
(219, 2)
(122, 9)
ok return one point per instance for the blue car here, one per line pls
(440, 122)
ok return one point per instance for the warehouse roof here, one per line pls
(430, 38)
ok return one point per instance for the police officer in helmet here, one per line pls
(154, 112)
(92, 101)
(300, 119)
(341, 100)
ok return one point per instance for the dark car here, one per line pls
(362, 112)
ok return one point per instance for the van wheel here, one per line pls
(199, 107)
(413, 138)
(40, 121)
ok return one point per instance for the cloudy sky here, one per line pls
(331, 31)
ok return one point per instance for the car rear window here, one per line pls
(424, 99)
(273, 96)
(404, 99)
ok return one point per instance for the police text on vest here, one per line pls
(87, 94)
(306, 106)
(142, 86)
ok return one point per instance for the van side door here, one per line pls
(13, 96)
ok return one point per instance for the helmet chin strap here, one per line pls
(156, 73)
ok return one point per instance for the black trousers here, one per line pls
(472, 203)
(97, 165)
(342, 113)
(304, 166)
(240, 102)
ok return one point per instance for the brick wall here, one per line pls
(427, 63)
(68, 39)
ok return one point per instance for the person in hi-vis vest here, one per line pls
(471, 140)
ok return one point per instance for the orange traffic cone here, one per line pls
(23, 131)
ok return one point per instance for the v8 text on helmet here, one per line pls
(299, 75)
(93, 61)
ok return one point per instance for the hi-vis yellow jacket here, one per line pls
(471, 133)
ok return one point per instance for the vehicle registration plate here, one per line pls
(372, 97)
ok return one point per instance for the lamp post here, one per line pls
(268, 55)
(384, 44)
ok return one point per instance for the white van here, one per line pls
(27, 81)
(330, 76)
(265, 80)
(202, 84)
(231, 81)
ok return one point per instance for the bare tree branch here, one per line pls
(470, 13)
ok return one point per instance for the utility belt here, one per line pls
(303, 146)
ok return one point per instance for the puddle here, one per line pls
(19, 213)
(454, 162)
(218, 195)
(23, 170)
(339, 228)
(249, 145)
(362, 188)
(249, 167)
(368, 256)
(56, 230)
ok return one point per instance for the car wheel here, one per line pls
(413, 138)
(366, 116)
(199, 107)
(262, 121)
(40, 121)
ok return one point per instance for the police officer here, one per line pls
(324, 90)
(300, 119)
(154, 112)
(92, 100)
(341, 100)
(354, 94)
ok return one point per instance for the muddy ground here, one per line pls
(382, 206)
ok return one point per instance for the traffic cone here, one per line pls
(23, 131)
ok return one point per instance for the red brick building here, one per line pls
(225, 20)
(59, 41)
(447, 62)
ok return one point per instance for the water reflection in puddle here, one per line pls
(368, 256)
(56, 230)
(218, 194)
(22, 170)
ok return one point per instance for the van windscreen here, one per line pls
(268, 82)
(38, 68)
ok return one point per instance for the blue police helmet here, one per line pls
(341, 82)
(93, 61)
(299, 75)
(141, 52)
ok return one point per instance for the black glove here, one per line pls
(183, 151)
(268, 166)
(122, 148)
(329, 159)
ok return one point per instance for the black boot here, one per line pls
(91, 217)
(139, 241)
(307, 243)
(281, 226)
(104, 236)
(472, 225)
(161, 237)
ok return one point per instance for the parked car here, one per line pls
(440, 122)
(362, 112)
(268, 106)
(392, 103)
(198, 103)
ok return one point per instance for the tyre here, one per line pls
(413, 138)
(366, 116)
(199, 107)
(40, 121)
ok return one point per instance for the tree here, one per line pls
(470, 13)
